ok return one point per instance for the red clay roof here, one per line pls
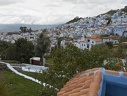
(86, 83)
(97, 39)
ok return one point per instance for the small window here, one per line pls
(87, 46)
(88, 40)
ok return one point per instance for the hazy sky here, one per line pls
(53, 11)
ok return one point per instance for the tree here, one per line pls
(74, 20)
(109, 44)
(122, 39)
(3, 49)
(119, 52)
(95, 57)
(70, 60)
(24, 50)
(29, 30)
(11, 53)
(43, 46)
(109, 20)
(23, 29)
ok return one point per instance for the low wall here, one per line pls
(3, 66)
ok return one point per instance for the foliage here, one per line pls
(24, 50)
(122, 39)
(59, 42)
(109, 44)
(11, 52)
(111, 12)
(21, 50)
(124, 9)
(43, 46)
(104, 35)
(109, 21)
(74, 20)
(114, 64)
(119, 52)
(23, 29)
(70, 60)
(4, 49)
(97, 55)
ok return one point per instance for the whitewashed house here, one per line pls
(124, 34)
(88, 43)
(113, 39)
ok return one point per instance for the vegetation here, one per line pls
(20, 51)
(73, 20)
(24, 29)
(70, 60)
(109, 20)
(43, 45)
(14, 85)
(111, 12)
(124, 9)
(24, 50)
(65, 63)
(122, 39)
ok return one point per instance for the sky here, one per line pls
(53, 11)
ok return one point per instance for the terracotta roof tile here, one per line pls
(85, 83)
(96, 39)
(84, 91)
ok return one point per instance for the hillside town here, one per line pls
(84, 33)
(82, 57)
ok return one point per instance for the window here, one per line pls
(88, 40)
(88, 46)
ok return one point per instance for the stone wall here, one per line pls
(3, 66)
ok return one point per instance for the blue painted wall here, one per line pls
(114, 89)
(113, 85)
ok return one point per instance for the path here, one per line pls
(25, 76)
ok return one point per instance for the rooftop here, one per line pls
(97, 39)
(96, 82)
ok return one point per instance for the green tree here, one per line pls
(122, 39)
(109, 20)
(96, 56)
(43, 46)
(3, 49)
(70, 60)
(109, 44)
(23, 29)
(114, 64)
(24, 50)
(119, 52)
(59, 42)
(11, 53)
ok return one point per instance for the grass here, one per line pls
(32, 74)
(10, 61)
(14, 85)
